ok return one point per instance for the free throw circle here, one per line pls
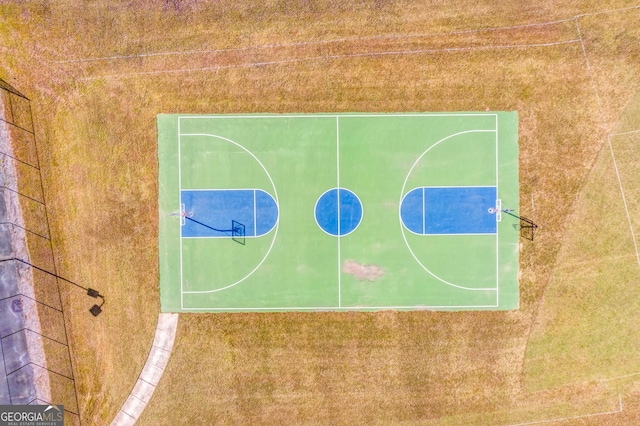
(338, 212)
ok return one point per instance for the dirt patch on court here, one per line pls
(362, 272)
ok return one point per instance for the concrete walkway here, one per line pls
(151, 373)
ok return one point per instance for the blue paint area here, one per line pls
(411, 211)
(255, 209)
(452, 210)
(266, 212)
(338, 208)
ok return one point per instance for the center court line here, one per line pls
(338, 184)
(497, 224)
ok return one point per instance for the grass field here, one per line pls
(569, 69)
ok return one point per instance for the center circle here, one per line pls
(338, 212)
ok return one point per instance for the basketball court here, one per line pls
(338, 212)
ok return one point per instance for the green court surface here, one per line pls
(338, 212)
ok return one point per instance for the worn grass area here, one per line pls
(99, 153)
(587, 323)
(586, 328)
(612, 42)
(104, 160)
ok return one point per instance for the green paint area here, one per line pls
(298, 265)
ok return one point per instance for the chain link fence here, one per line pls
(36, 366)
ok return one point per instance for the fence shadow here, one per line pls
(31, 309)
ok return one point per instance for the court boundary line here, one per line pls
(275, 191)
(454, 186)
(340, 307)
(347, 308)
(226, 189)
(452, 235)
(402, 197)
(248, 237)
(347, 115)
(180, 202)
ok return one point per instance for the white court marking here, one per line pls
(348, 308)
(340, 307)
(402, 227)
(338, 185)
(182, 291)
